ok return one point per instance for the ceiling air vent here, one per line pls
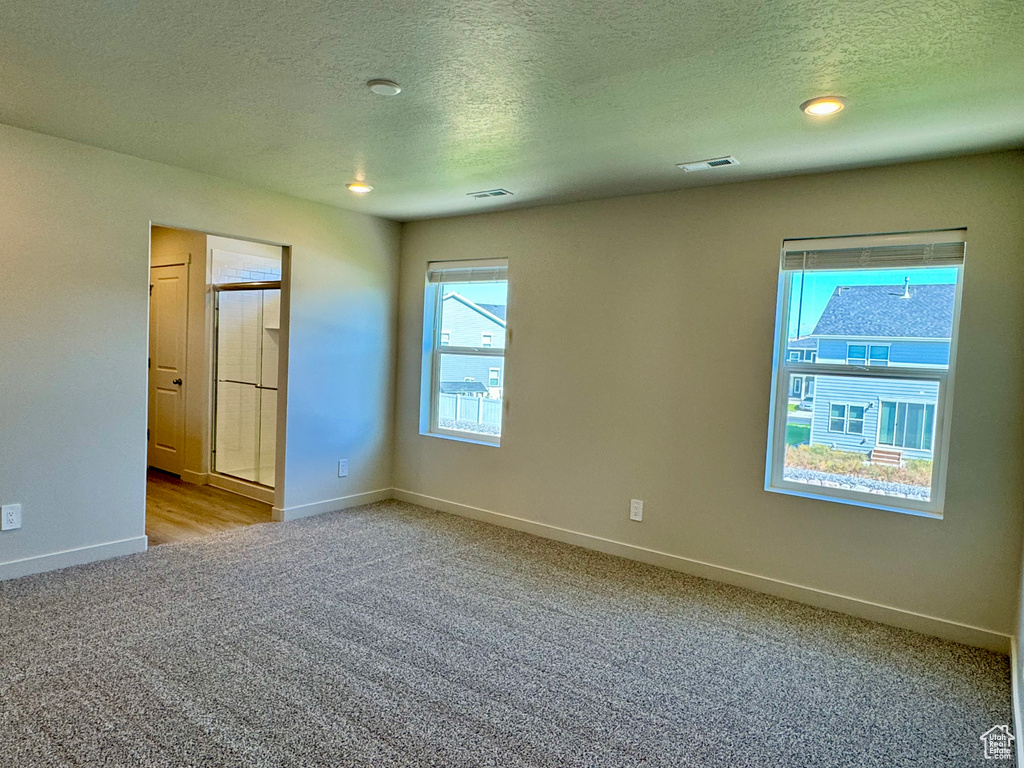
(490, 193)
(704, 165)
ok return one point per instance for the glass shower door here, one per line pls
(245, 398)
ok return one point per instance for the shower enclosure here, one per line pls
(246, 342)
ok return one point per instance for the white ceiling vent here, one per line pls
(490, 193)
(705, 165)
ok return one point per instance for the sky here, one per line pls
(818, 288)
(480, 293)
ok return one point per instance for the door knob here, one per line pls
(177, 381)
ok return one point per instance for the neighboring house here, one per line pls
(884, 326)
(468, 324)
(801, 350)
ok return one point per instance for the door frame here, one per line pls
(205, 352)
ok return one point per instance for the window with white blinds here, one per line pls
(867, 327)
(465, 335)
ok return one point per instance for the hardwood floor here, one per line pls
(176, 510)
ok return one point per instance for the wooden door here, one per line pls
(168, 321)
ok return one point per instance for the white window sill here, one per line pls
(853, 502)
(461, 439)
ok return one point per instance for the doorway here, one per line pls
(215, 335)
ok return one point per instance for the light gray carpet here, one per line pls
(393, 636)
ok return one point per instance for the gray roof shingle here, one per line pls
(463, 387)
(804, 342)
(881, 310)
(498, 310)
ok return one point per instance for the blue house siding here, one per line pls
(900, 352)
(919, 352)
(868, 393)
(831, 349)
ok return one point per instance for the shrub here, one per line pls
(821, 458)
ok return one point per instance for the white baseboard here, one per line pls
(283, 515)
(241, 487)
(55, 560)
(885, 614)
(196, 478)
(1015, 686)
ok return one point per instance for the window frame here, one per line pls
(433, 349)
(487, 340)
(783, 369)
(832, 417)
(880, 363)
(864, 359)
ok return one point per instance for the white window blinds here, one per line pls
(914, 249)
(475, 271)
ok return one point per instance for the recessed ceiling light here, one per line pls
(824, 105)
(384, 87)
(359, 187)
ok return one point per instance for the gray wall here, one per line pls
(75, 224)
(669, 299)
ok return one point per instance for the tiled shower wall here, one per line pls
(231, 267)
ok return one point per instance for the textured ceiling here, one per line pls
(552, 99)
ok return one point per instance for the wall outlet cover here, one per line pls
(343, 468)
(636, 510)
(10, 517)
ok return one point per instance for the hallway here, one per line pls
(177, 511)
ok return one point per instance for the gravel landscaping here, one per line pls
(862, 484)
(469, 426)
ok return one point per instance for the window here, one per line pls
(867, 354)
(794, 356)
(878, 355)
(837, 418)
(463, 367)
(875, 433)
(845, 418)
(855, 420)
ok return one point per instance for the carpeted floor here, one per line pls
(392, 636)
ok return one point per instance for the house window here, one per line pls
(845, 418)
(855, 420)
(878, 355)
(794, 356)
(837, 418)
(470, 298)
(875, 435)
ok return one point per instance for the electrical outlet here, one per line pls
(10, 517)
(636, 510)
(343, 468)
